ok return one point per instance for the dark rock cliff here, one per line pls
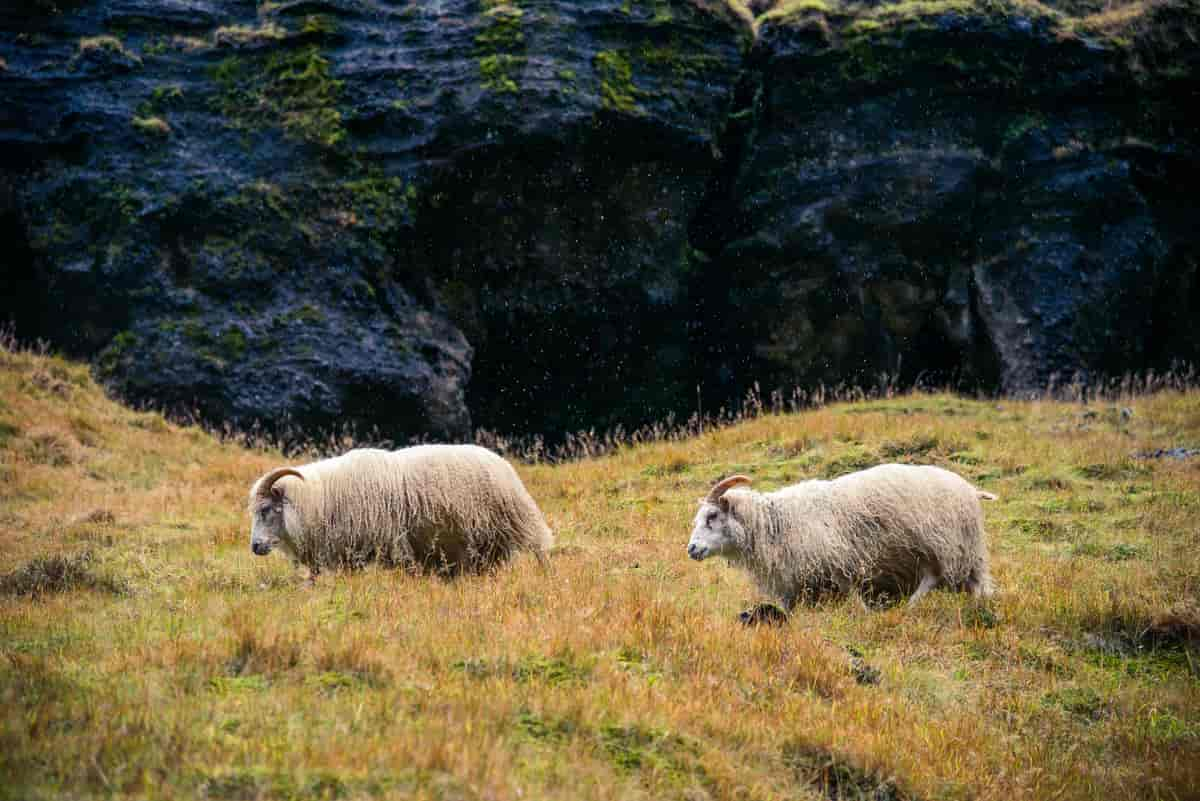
(981, 195)
(541, 215)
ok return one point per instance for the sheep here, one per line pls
(444, 508)
(888, 529)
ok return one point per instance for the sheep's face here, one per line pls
(266, 524)
(272, 515)
(715, 531)
(270, 520)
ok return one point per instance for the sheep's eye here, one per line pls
(711, 517)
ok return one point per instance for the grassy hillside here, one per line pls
(144, 652)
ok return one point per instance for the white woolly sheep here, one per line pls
(444, 508)
(890, 529)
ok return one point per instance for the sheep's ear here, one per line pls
(729, 505)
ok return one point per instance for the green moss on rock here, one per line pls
(319, 25)
(293, 90)
(617, 90)
(161, 99)
(498, 72)
(681, 58)
(106, 44)
(110, 359)
(232, 343)
(307, 314)
(503, 31)
(500, 47)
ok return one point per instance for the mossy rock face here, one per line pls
(637, 205)
(927, 195)
(263, 217)
(242, 329)
(289, 89)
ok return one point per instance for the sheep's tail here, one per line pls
(985, 496)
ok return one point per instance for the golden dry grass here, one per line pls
(190, 668)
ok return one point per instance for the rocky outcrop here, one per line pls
(977, 197)
(540, 215)
(293, 211)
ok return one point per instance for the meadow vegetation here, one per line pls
(145, 653)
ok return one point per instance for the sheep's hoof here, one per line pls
(763, 614)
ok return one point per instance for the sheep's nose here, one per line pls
(693, 551)
(260, 548)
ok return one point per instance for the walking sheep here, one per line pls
(444, 508)
(890, 529)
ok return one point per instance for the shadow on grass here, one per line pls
(1138, 639)
(57, 574)
(838, 780)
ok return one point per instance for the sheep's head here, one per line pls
(716, 530)
(267, 502)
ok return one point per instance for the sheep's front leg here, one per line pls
(928, 582)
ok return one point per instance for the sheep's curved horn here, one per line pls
(726, 485)
(267, 481)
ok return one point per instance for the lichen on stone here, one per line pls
(154, 126)
(247, 36)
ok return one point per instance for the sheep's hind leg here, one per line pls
(928, 582)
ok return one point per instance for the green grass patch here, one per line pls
(1082, 701)
(1113, 471)
(226, 685)
(7, 432)
(850, 460)
(1119, 552)
(635, 748)
(554, 671)
(332, 682)
(554, 731)
(916, 446)
(1042, 529)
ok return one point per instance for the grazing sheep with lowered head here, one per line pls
(893, 528)
(445, 508)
